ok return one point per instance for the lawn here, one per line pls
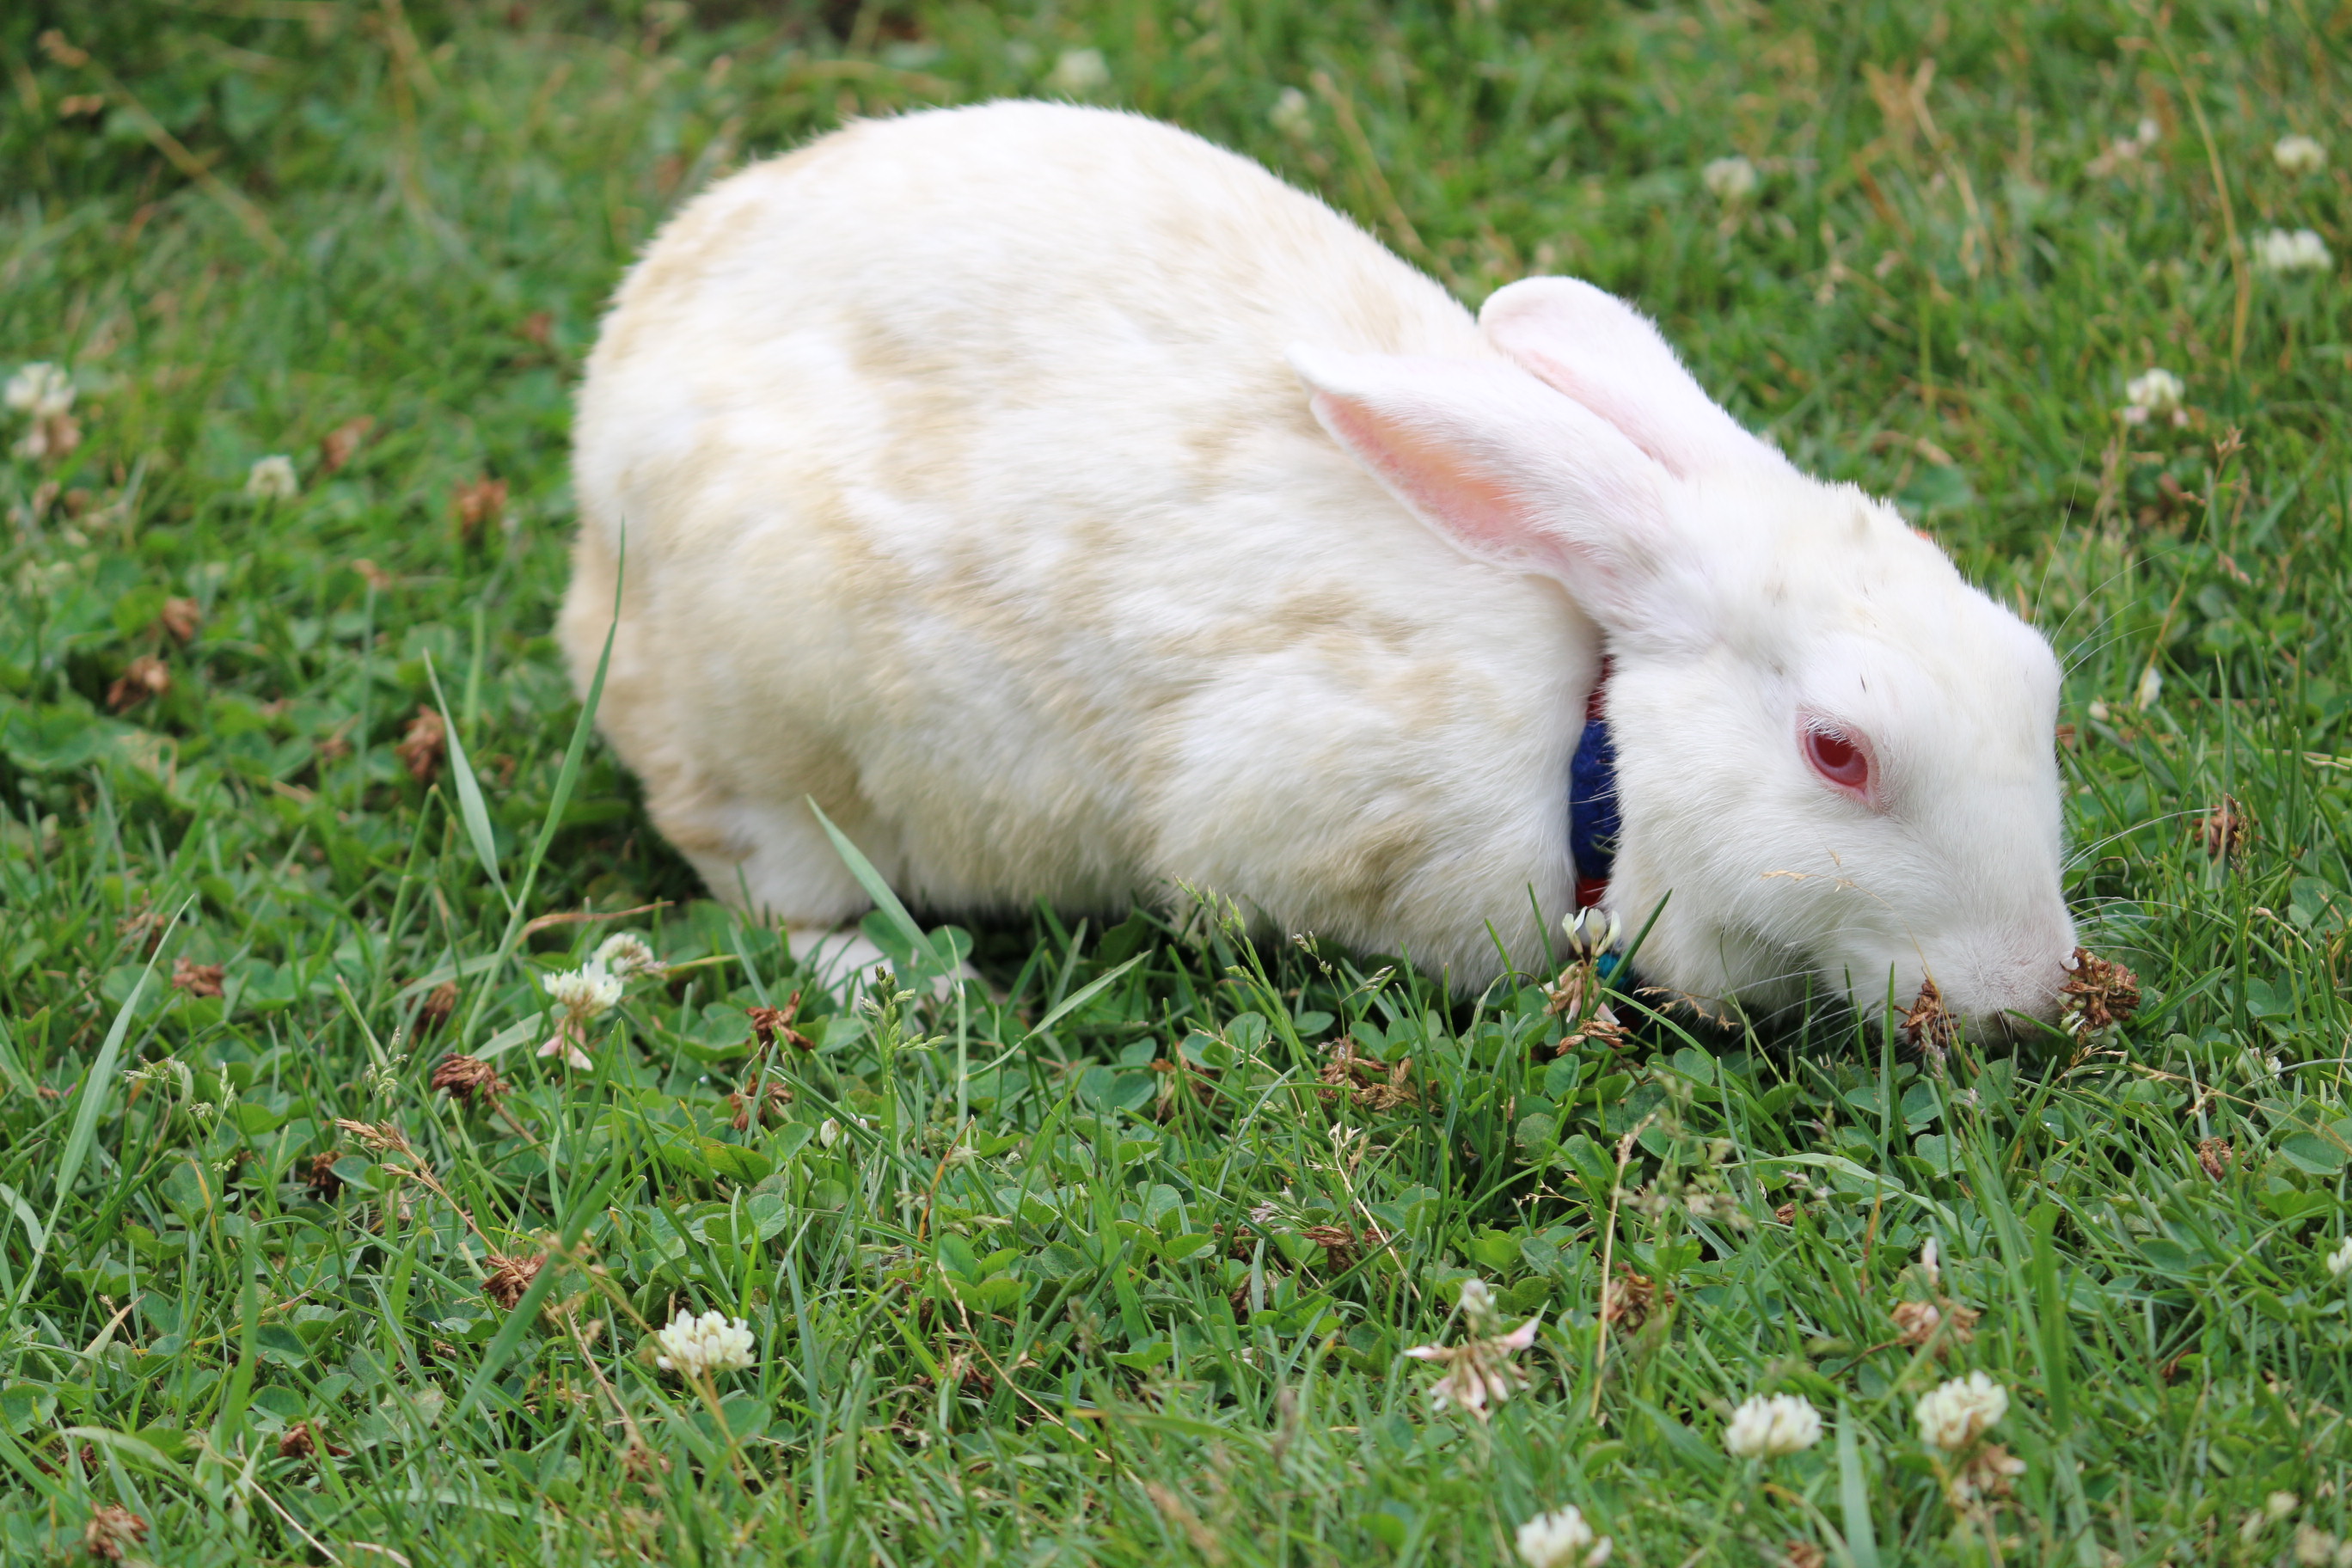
(1117, 1259)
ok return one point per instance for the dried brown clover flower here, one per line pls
(425, 744)
(2098, 993)
(509, 1277)
(468, 1080)
(197, 979)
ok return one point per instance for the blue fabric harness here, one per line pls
(1592, 820)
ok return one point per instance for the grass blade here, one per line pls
(1854, 1495)
(525, 1310)
(96, 1088)
(472, 808)
(872, 881)
(1078, 998)
(565, 778)
(12, 1064)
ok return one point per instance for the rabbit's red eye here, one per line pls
(1837, 759)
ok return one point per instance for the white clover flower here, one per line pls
(1479, 1369)
(1292, 115)
(272, 479)
(585, 994)
(563, 1045)
(41, 390)
(1590, 933)
(1478, 1303)
(2314, 1548)
(1079, 72)
(2276, 250)
(1765, 1428)
(2158, 391)
(695, 1347)
(828, 1133)
(626, 953)
(2299, 155)
(2150, 688)
(1730, 178)
(1559, 1538)
(1957, 1414)
(2339, 1262)
(2124, 150)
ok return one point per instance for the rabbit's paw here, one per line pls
(843, 959)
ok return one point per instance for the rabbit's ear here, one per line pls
(1508, 468)
(1606, 354)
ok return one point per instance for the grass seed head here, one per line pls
(376, 1137)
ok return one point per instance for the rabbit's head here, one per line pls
(1836, 765)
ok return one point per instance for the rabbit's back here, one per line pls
(966, 489)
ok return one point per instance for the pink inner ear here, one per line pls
(1480, 510)
(1652, 428)
(1601, 352)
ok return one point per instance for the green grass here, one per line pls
(1096, 1328)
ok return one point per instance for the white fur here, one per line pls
(969, 488)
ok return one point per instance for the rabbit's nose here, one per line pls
(1994, 998)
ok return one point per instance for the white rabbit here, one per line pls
(1076, 511)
